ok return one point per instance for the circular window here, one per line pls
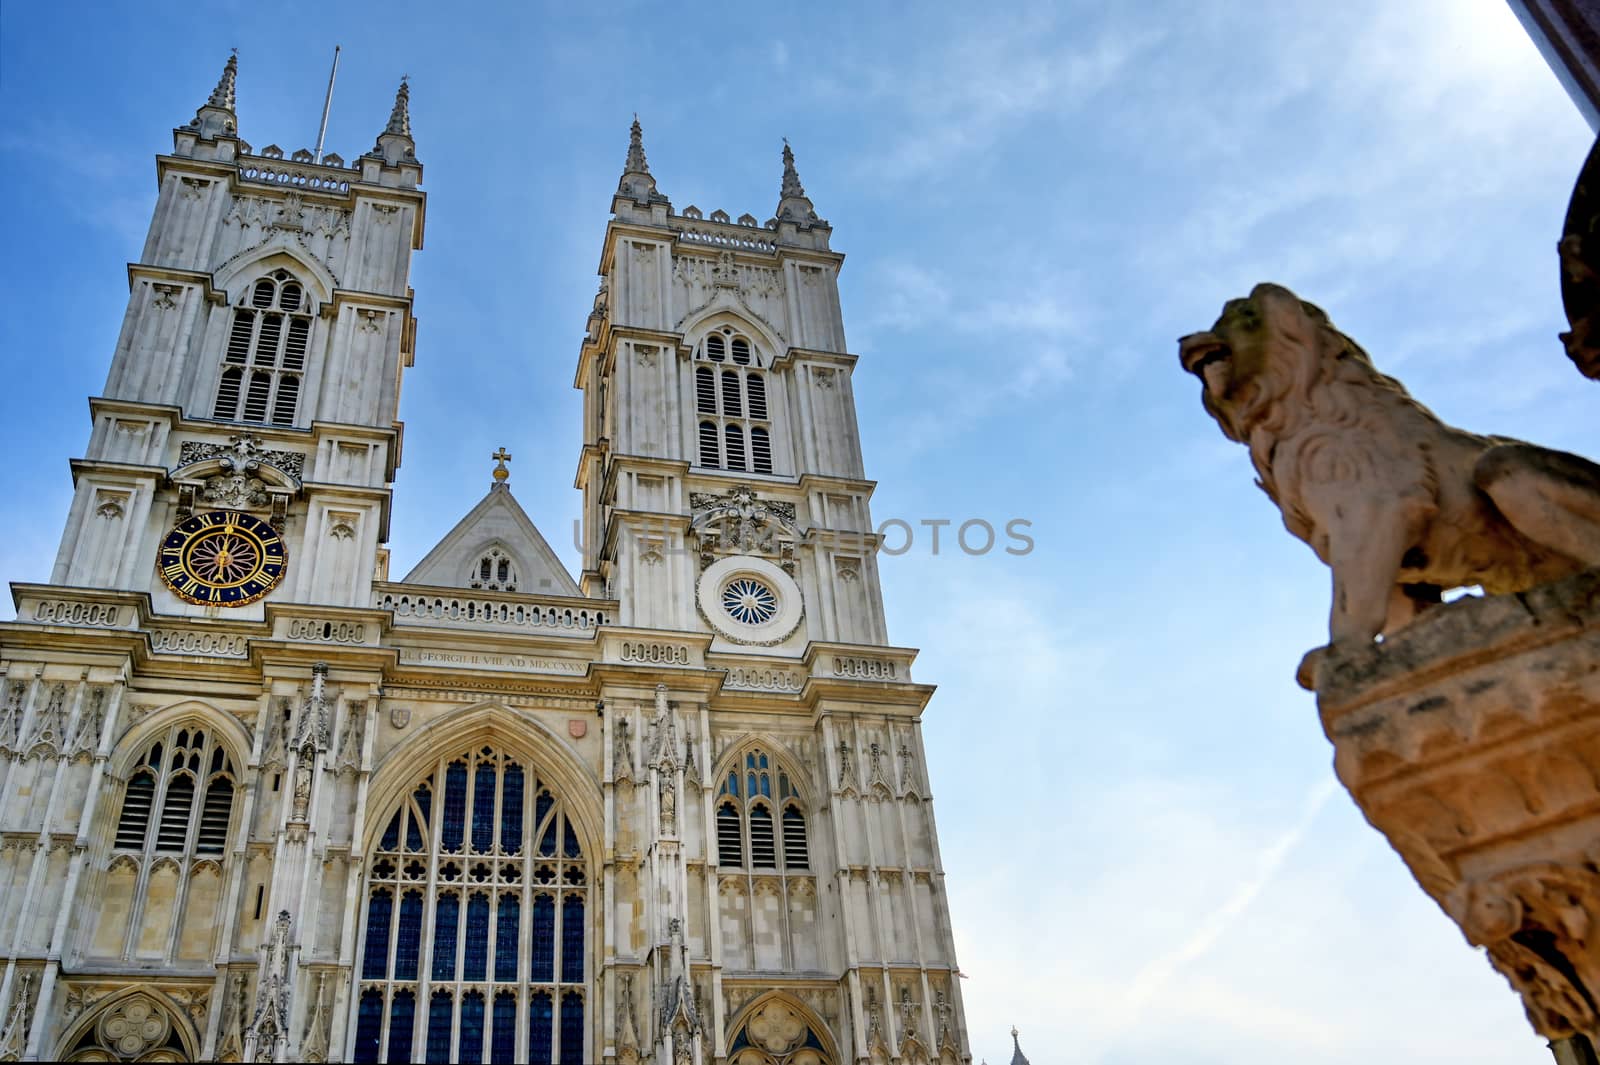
(749, 601)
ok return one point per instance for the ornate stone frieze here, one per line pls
(753, 678)
(72, 612)
(673, 654)
(243, 454)
(320, 630)
(192, 642)
(860, 667)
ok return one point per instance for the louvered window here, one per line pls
(705, 390)
(271, 336)
(763, 848)
(760, 450)
(255, 401)
(136, 806)
(795, 853)
(214, 817)
(171, 774)
(740, 437)
(173, 835)
(710, 454)
(730, 835)
(178, 803)
(752, 790)
(228, 393)
(284, 402)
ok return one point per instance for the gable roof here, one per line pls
(497, 521)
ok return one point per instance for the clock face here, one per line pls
(222, 558)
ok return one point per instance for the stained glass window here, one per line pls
(477, 954)
(540, 1033)
(446, 916)
(469, 829)
(503, 1047)
(369, 1026)
(471, 1028)
(505, 937)
(402, 1016)
(572, 1028)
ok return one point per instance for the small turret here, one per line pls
(793, 204)
(393, 160)
(394, 143)
(637, 194)
(796, 221)
(215, 117)
(1017, 1056)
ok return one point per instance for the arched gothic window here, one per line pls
(730, 396)
(188, 778)
(494, 571)
(476, 899)
(164, 883)
(757, 804)
(266, 353)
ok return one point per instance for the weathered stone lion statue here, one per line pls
(1400, 505)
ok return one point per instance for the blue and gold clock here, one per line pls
(222, 558)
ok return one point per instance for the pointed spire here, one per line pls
(791, 176)
(395, 145)
(215, 117)
(793, 204)
(223, 95)
(400, 117)
(1017, 1056)
(636, 161)
(636, 184)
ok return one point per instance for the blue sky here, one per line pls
(1148, 858)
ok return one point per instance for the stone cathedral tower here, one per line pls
(260, 802)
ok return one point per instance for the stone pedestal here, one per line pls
(1471, 740)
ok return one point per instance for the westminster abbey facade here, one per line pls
(262, 801)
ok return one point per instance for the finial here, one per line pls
(636, 162)
(792, 201)
(501, 474)
(791, 177)
(400, 117)
(223, 95)
(1013, 1033)
(215, 117)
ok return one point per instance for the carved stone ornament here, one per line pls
(18, 1019)
(243, 454)
(1400, 505)
(235, 491)
(399, 716)
(1471, 740)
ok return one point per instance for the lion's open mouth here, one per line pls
(1199, 350)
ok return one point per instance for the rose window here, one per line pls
(749, 601)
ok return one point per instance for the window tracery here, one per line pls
(265, 356)
(135, 1027)
(734, 430)
(174, 825)
(474, 943)
(495, 570)
(777, 1033)
(758, 804)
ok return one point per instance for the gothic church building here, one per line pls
(259, 801)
